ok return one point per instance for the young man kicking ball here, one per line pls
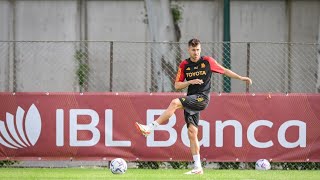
(194, 73)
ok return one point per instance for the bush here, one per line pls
(6, 163)
(179, 165)
(149, 164)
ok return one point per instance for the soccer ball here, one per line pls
(263, 164)
(118, 166)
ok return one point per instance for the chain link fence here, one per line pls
(151, 67)
(107, 66)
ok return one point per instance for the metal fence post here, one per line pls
(111, 65)
(248, 65)
(226, 45)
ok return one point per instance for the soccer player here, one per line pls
(194, 73)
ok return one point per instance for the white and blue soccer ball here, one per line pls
(118, 166)
(263, 164)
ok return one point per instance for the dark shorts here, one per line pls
(192, 105)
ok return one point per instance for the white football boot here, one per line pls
(195, 171)
(145, 130)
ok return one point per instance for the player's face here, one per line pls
(194, 52)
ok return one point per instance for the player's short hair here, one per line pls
(193, 42)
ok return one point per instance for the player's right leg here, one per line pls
(147, 129)
(144, 130)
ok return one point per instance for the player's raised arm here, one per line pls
(216, 67)
(234, 75)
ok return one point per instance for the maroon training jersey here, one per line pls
(202, 69)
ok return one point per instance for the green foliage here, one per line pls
(157, 165)
(176, 13)
(149, 164)
(229, 165)
(296, 165)
(179, 165)
(83, 68)
(82, 73)
(274, 165)
(6, 163)
(252, 165)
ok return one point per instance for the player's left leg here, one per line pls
(194, 143)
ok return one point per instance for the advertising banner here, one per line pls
(100, 126)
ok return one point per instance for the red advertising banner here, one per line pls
(100, 126)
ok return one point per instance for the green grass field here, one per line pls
(104, 173)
